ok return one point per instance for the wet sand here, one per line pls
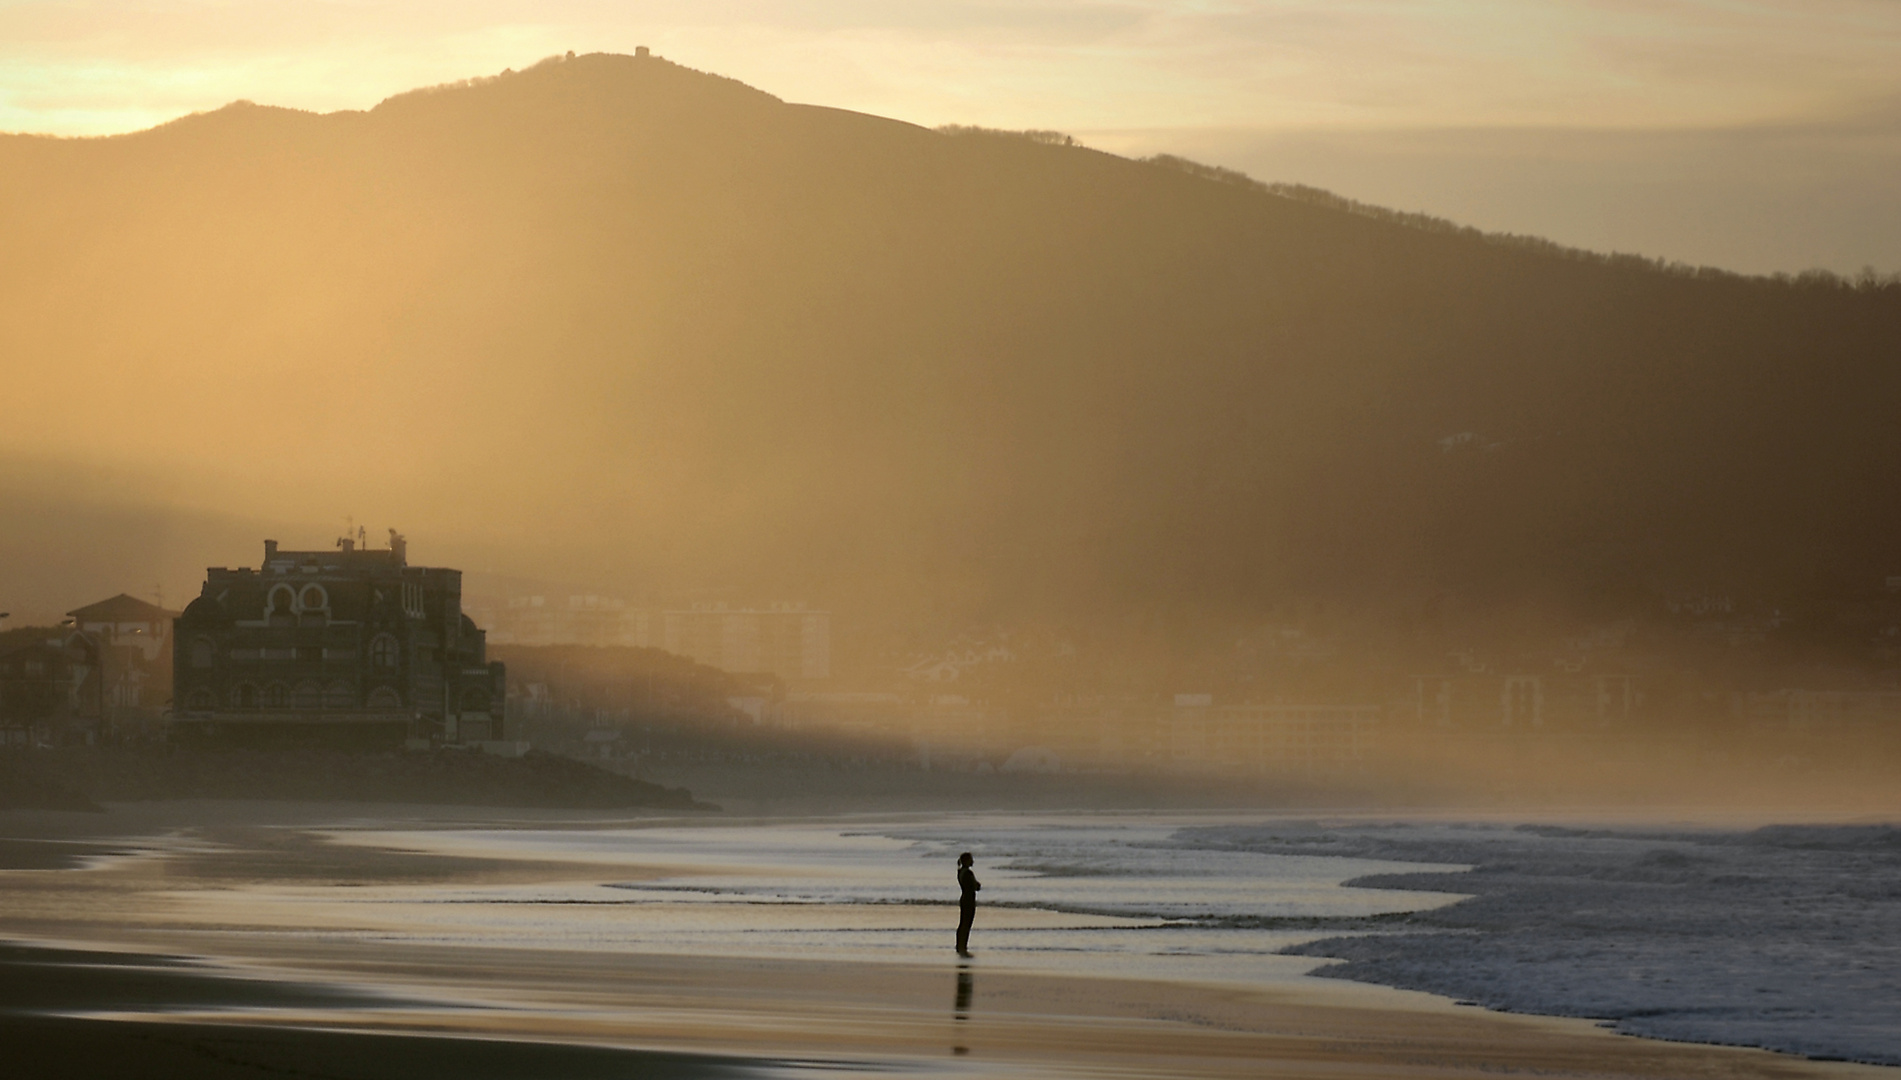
(277, 997)
(41, 987)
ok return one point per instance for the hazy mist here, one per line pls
(1756, 198)
(615, 322)
(652, 323)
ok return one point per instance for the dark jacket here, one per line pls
(968, 882)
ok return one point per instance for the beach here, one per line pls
(373, 941)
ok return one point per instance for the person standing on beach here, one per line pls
(967, 904)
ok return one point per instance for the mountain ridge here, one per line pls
(660, 326)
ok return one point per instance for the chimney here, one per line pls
(641, 52)
(399, 547)
(270, 550)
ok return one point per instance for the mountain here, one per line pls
(649, 325)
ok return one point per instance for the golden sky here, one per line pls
(1673, 117)
(73, 67)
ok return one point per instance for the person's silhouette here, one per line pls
(967, 904)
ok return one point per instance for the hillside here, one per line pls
(651, 325)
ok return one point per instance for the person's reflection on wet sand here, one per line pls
(962, 1010)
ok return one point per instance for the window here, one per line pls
(203, 653)
(201, 699)
(384, 697)
(309, 696)
(475, 699)
(282, 600)
(314, 598)
(244, 696)
(385, 653)
(276, 696)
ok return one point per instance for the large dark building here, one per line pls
(353, 643)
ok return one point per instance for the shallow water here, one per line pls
(1070, 895)
(1785, 937)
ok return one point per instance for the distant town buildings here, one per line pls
(1276, 739)
(985, 654)
(580, 619)
(1819, 712)
(351, 642)
(787, 640)
(863, 710)
(105, 673)
(134, 643)
(356, 645)
(49, 692)
(1566, 697)
(951, 664)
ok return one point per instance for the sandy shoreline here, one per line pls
(52, 1001)
(86, 1013)
(736, 1015)
(710, 1013)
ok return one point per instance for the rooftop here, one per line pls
(122, 608)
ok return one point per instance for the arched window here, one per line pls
(385, 653)
(314, 598)
(283, 600)
(338, 695)
(201, 700)
(244, 696)
(309, 696)
(203, 653)
(384, 697)
(277, 696)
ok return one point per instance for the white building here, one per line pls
(1821, 711)
(134, 641)
(787, 640)
(1262, 740)
(582, 619)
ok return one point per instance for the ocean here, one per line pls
(1063, 894)
(1785, 938)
